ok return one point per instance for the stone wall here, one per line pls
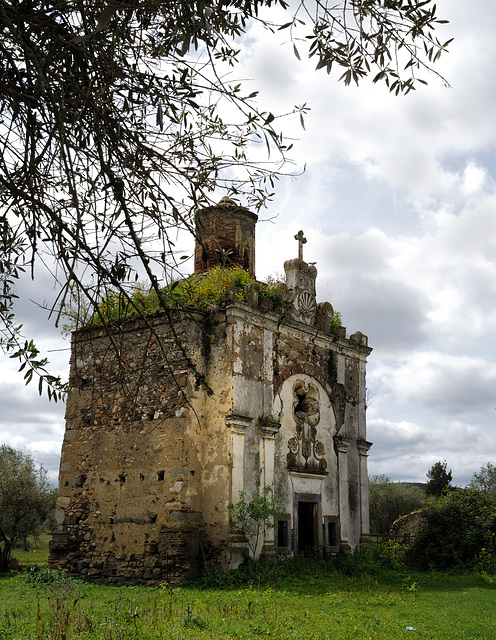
(405, 529)
(129, 505)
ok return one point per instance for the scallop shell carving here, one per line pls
(306, 306)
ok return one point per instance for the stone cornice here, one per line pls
(363, 447)
(341, 444)
(237, 422)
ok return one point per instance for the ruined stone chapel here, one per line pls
(169, 419)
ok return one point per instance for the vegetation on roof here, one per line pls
(203, 292)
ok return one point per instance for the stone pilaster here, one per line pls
(267, 452)
(238, 425)
(341, 446)
(363, 452)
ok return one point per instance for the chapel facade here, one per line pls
(160, 440)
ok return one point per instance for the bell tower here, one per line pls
(225, 235)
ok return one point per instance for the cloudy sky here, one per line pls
(398, 203)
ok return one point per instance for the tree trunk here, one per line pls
(5, 552)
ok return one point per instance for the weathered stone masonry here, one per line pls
(148, 468)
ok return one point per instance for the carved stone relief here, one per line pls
(305, 305)
(306, 452)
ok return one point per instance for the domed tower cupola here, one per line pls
(225, 235)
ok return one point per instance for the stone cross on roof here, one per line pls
(301, 241)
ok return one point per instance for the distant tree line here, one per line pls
(458, 529)
(391, 500)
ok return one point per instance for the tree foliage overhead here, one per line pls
(25, 499)
(439, 479)
(118, 123)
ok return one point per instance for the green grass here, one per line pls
(37, 554)
(329, 605)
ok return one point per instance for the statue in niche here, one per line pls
(306, 453)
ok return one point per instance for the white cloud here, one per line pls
(406, 451)
(474, 179)
(452, 385)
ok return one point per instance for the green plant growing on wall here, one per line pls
(252, 518)
(198, 292)
(206, 290)
(336, 322)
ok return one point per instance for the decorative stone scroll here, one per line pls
(306, 452)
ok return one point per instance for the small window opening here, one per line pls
(245, 262)
(332, 533)
(282, 533)
(301, 406)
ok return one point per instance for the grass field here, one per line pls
(317, 605)
(37, 554)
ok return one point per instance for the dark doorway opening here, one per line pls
(307, 526)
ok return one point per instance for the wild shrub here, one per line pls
(203, 292)
(251, 571)
(373, 560)
(252, 518)
(390, 500)
(456, 533)
(40, 575)
(377, 560)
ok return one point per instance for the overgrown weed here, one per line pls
(378, 560)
